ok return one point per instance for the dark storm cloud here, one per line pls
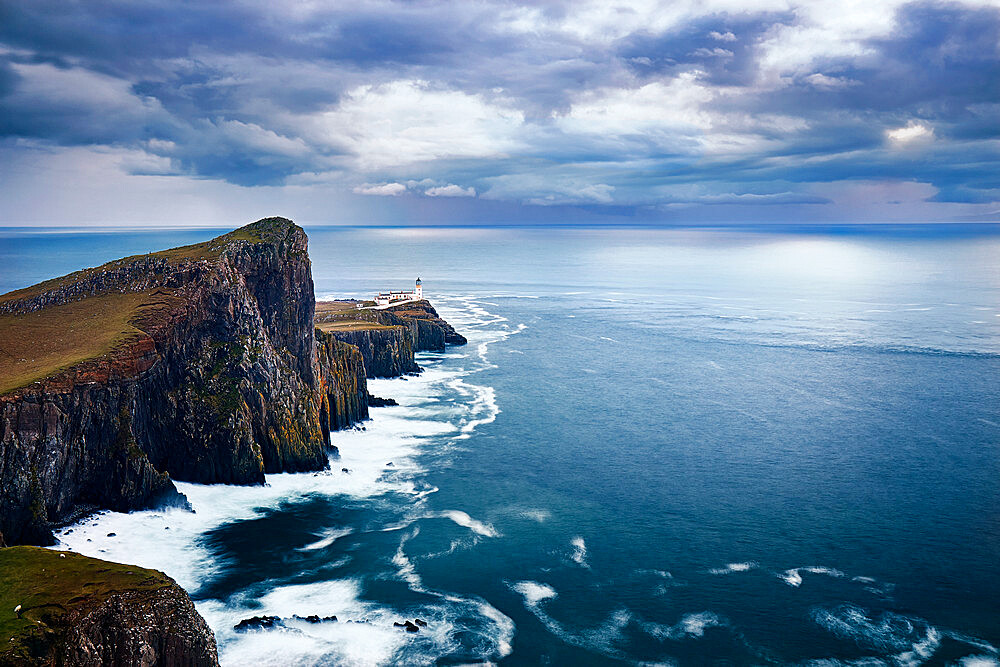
(545, 102)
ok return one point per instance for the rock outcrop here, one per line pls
(388, 338)
(78, 611)
(428, 330)
(387, 350)
(214, 376)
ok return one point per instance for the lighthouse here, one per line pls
(418, 293)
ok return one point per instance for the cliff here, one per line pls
(81, 611)
(197, 363)
(387, 338)
(429, 331)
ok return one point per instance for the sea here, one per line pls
(661, 446)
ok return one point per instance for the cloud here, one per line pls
(624, 109)
(912, 132)
(383, 189)
(408, 121)
(727, 36)
(450, 191)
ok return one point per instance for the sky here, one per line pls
(424, 112)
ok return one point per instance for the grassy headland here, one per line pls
(49, 585)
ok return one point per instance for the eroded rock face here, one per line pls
(430, 332)
(223, 384)
(140, 629)
(388, 348)
(387, 351)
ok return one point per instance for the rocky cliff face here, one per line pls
(218, 380)
(388, 338)
(79, 611)
(342, 382)
(428, 330)
(387, 351)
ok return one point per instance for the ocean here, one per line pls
(771, 446)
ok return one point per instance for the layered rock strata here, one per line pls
(388, 338)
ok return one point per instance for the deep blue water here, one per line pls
(663, 446)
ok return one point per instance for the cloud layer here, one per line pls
(652, 111)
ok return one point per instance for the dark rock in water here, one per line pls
(377, 402)
(112, 534)
(330, 618)
(312, 618)
(347, 470)
(407, 625)
(421, 623)
(258, 623)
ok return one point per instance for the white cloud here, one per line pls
(450, 191)
(410, 121)
(912, 132)
(255, 137)
(712, 53)
(722, 36)
(383, 189)
(654, 107)
(45, 88)
(820, 80)
(551, 187)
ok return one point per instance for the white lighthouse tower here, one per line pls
(418, 293)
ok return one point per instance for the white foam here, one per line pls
(534, 592)
(979, 661)
(539, 515)
(329, 537)
(730, 568)
(406, 570)
(689, 625)
(579, 555)
(429, 415)
(466, 521)
(793, 577)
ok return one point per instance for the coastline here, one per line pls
(438, 408)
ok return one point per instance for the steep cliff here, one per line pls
(344, 393)
(72, 610)
(198, 363)
(387, 338)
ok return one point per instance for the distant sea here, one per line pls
(661, 446)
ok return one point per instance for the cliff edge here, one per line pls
(198, 363)
(387, 338)
(61, 608)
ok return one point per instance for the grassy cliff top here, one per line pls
(49, 585)
(350, 325)
(266, 230)
(46, 342)
(333, 316)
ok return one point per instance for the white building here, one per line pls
(386, 298)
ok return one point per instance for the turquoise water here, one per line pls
(660, 446)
